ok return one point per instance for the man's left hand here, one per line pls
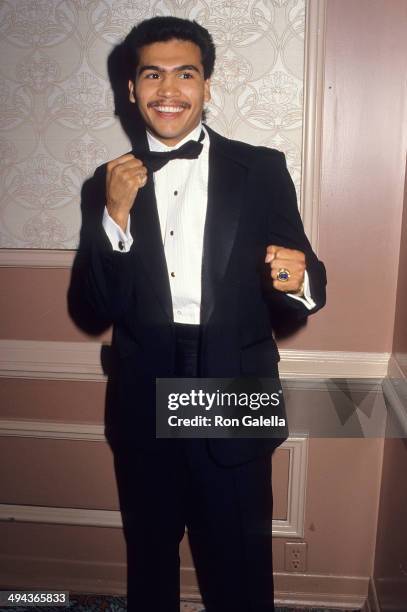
(286, 260)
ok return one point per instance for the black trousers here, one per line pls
(226, 510)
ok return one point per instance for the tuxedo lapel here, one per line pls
(226, 185)
(148, 243)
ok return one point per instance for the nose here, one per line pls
(169, 86)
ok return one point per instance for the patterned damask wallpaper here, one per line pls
(57, 108)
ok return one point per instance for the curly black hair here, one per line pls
(161, 29)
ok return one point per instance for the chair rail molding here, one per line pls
(82, 361)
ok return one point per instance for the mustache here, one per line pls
(168, 103)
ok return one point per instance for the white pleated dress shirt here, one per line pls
(181, 189)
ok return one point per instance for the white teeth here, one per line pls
(169, 109)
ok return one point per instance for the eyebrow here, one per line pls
(161, 69)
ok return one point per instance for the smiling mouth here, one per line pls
(168, 109)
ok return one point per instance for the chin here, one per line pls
(167, 134)
(170, 134)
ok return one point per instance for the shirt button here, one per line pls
(173, 274)
(175, 192)
(179, 312)
(171, 232)
(121, 245)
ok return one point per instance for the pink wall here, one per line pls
(364, 138)
(52, 400)
(390, 571)
(343, 483)
(34, 306)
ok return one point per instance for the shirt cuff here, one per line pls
(121, 241)
(306, 299)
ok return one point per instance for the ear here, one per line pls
(132, 96)
(207, 90)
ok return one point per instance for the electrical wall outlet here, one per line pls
(295, 556)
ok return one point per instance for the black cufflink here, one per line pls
(121, 245)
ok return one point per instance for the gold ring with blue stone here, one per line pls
(283, 275)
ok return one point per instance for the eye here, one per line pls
(186, 75)
(152, 75)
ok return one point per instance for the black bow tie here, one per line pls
(154, 160)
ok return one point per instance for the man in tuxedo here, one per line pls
(199, 247)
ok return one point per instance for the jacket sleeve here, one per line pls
(285, 228)
(101, 279)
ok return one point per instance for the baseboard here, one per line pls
(305, 590)
(110, 578)
(320, 590)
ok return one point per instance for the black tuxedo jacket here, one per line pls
(251, 204)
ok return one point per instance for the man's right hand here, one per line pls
(125, 175)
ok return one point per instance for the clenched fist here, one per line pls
(289, 260)
(125, 175)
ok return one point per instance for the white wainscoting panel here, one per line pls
(293, 526)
